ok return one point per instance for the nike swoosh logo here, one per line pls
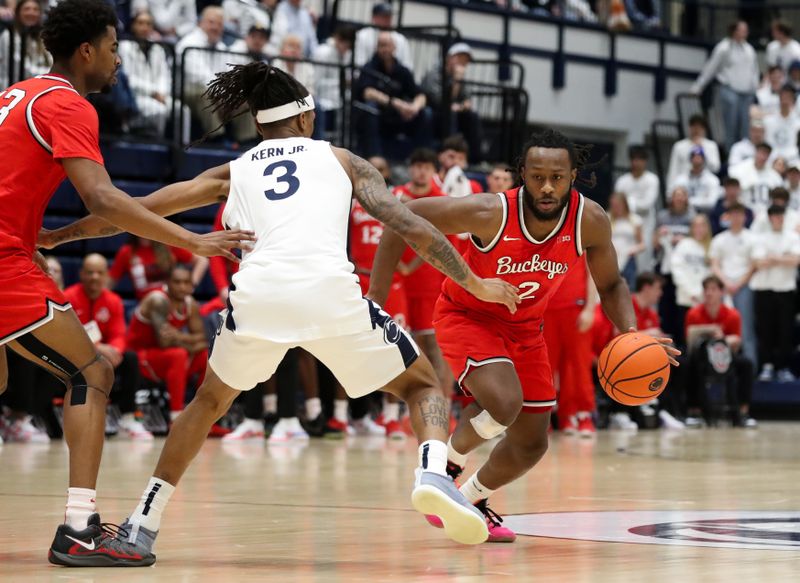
(88, 547)
(511, 239)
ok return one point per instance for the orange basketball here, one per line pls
(633, 369)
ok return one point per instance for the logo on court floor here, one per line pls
(703, 528)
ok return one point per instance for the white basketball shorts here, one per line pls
(362, 362)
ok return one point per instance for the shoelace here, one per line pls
(113, 531)
(493, 516)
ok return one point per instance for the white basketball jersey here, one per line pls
(297, 283)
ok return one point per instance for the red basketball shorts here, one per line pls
(28, 297)
(469, 341)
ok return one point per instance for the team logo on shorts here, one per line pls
(391, 331)
(702, 528)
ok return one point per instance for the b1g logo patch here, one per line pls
(702, 528)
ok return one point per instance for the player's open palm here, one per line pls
(222, 243)
(667, 344)
(497, 291)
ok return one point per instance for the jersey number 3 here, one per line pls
(14, 96)
(287, 178)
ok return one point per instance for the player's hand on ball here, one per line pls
(497, 291)
(221, 242)
(671, 351)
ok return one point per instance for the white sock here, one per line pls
(270, 403)
(473, 490)
(154, 500)
(174, 415)
(313, 408)
(454, 456)
(80, 506)
(340, 410)
(128, 418)
(391, 412)
(433, 456)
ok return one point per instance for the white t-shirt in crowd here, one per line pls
(755, 183)
(768, 101)
(775, 244)
(761, 224)
(783, 55)
(741, 151)
(781, 133)
(704, 190)
(623, 236)
(642, 194)
(733, 250)
(679, 162)
(794, 196)
(690, 266)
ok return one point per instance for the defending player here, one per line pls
(529, 236)
(49, 131)
(296, 287)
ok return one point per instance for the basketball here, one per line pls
(633, 369)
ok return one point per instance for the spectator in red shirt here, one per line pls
(712, 321)
(148, 264)
(103, 316)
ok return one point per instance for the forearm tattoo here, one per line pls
(434, 412)
(78, 231)
(430, 243)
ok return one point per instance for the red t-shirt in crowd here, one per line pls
(646, 318)
(603, 330)
(727, 318)
(141, 266)
(106, 311)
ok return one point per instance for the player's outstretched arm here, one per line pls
(430, 243)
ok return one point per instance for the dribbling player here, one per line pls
(48, 130)
(296, 287)
(530, 237)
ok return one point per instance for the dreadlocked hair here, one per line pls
(256, 85)
(578, 154)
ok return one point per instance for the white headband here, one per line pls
(285, 111)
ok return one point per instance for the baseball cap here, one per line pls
(460, 49)
(259, 29)
(382, 8)
(793, 165)
(696, 151)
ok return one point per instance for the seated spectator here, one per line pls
(291, 17)
(781, 129)
(291, 50)
(768, 95)
(7, 10)
(778, 196)
(55, 271)
(794, 75)
(337, 52)
(746, 149)
(382, 166)
(28, 19)
(103, 316)
(644, 14)
(398, 104)
(731, 196)
(690, 265)
(756, 178)
(679, 160)
(641, 189)
(578, 10)
(148, 264)
(254, 44)
(793, 183)
(242, 15)
(783, 50)
(701, 184)
(173, 18)
(500, 179)
(367, 38)
(462, 119)
(453, 161)
(167, 334)
(626, 235)
(776, 255)
(712, 321)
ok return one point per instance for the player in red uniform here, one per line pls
(531, 237)
(167, 333)
(49, 131)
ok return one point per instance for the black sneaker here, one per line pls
(454, 470)
(95, 546)
(315, 427)
(270, 421)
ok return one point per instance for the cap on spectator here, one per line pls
(696, 151)
(793, 165)
(776, 209)
(460, 49)
(794, 65)
(382, 8)
(257, 28)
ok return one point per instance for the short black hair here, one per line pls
(698, 119)
(783, 27)
(455, 142)
(713, 279)
(737, 207)
(779, 192)
(788, 88)
(578, 154)
(647, 278)
(424, 156)
(180, 267)
(764, 146)
(776, 209)
(638, 151)
(774, 68)
(71, 23)
(346, 32)
(731, 181)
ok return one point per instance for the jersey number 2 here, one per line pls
(15, 95)
(288, 178)
(532, 287)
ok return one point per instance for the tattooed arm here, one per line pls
(429, 243)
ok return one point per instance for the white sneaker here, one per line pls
(287, 429)
(767, 374)
(132, 429)
(247, 429)
(622, 421)
(367, 426)
(647, 410)
(23, 431)
(694, 422)
(668, 421)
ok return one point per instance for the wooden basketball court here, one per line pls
(340, 511)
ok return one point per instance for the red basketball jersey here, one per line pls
(537, 268)
(42, 121)
(572, 292)
(141, 333)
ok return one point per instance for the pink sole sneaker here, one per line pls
(497, 533)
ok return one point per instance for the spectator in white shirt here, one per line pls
(254, 44)
(768, 94)
(337, 52)
(173, 19)
(291, 17)
(756, 178)
(703, 186)
(783, 50)
(626, 235)
(690, 265)
(291, 51)
(679, 161)
(28, 19)
(731, 262)
(778, 196)
(781, 129)
(734, 64)
(641, 188)
(793, 183)
(367, 38)
(242, 15)
(776, 255)
(746, 149)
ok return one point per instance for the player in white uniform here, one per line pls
(296, 287)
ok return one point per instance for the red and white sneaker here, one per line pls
(497, 532)
(23, 431)
(96, 546)
(394, 430)
(247, 429)
(586, 427)
(336, 429)
(133, 429)
(569, 427)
